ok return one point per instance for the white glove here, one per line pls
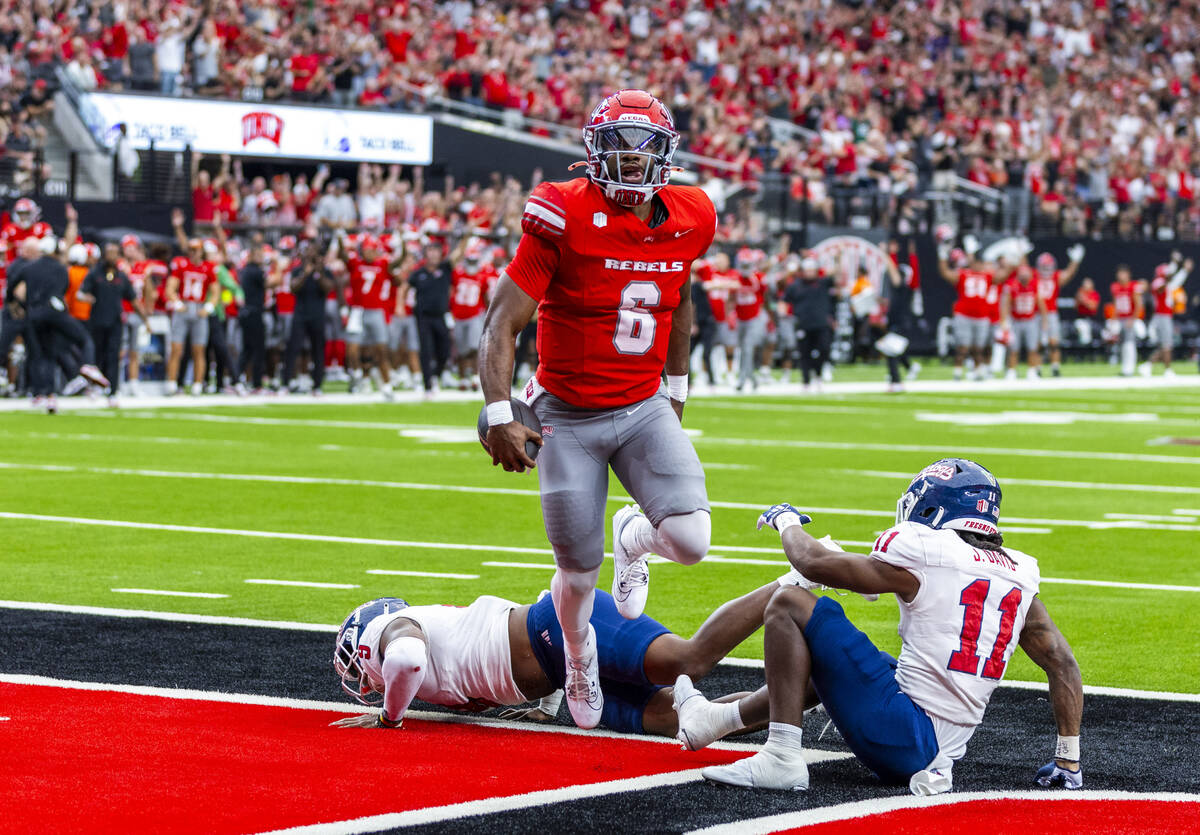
(943, 251)
(970, 245)
(1075, 253)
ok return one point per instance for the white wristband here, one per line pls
(787, 520)
(499, 413)
(677, 386)
(1067, 748)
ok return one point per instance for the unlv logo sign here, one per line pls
(261, 125)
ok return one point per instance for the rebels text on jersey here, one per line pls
(973, 287)
(194, 279)
(962, 627)
(607, 286)
(370, 282)
(468, 292)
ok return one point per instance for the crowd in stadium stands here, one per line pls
(1090, 107)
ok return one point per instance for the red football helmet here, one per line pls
(130, 240)
(474, 255)
(630, 134)
(26, 213)
(1162, 270)
(1046, 264)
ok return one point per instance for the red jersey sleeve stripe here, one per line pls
(546, 204)
(547, 217)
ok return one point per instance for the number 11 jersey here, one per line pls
(962, 627)
(607, 285)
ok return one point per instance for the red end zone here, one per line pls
(1112, 817)
(103, 761)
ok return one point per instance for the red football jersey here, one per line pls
(139, 273)
(1124, 299)
(1022, 299)
(1048, 286)
(468, 292)
(370, 282)
(1160, 290)
(12, 235)
(749, 297)
(992, 311)
(607, 286)
(194, 279)
(718, 296)
(973, 289)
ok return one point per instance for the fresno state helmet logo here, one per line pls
(981, 505)
(945, 472)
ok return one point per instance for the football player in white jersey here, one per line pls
(496, 653)
(966, 602)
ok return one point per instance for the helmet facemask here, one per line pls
(624, 144)
(353, 677)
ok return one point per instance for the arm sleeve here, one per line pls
(534, 265)
(403, 671)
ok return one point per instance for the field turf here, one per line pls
(1098, 485)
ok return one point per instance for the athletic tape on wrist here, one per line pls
(677, 386)
(1067, 748)
(787, 520)
(499, 413)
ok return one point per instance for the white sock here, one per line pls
(639, 537)
(574, 610)
(783, 739)
(1128, 357)
(728, 716)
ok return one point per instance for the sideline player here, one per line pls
(606, 263)
(470, 280)
(1127, 308)
(1023, 316)
(972, 325)
(372, 281)
(192, 293)
(965, 604)
(496, 653)
(1050, 280)
(1168, 278)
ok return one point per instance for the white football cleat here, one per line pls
(631, 575)
(582, 686)
(930, 781)
(765, 770)
(698, 726)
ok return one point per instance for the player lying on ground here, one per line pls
(495, 653)
(965, 603)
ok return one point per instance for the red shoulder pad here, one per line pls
(545, 213)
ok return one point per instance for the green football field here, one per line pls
(1100, 486)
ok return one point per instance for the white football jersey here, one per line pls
(470, 661)
(962, 627)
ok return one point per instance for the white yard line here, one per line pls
(941, 449)
(435, 574)
(1116, 585)
(164, 593)
(882, 805)
(493, 564)
(303, 583)
(174, 617)
(1149, 517)
(1057, 483)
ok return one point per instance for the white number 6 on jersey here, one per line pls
(636, 324)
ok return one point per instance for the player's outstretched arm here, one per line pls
(1046, 647)
(510, 311)
(836, 569)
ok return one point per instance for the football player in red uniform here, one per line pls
(748, 300)
(1050, 280)
(972, 323)
(605, 260)
(470, 281)
(1168, 279)
(192, 293)
(1022, 314)
(1127, 307)
(372, 285)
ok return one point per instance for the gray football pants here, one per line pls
(647, 449)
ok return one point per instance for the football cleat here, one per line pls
(765, 770)
(582, 686)
(93, 375)
(930, 781)
(1052, 775)
(631, 575)
(700, 723)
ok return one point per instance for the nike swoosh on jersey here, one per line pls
(681, 234)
